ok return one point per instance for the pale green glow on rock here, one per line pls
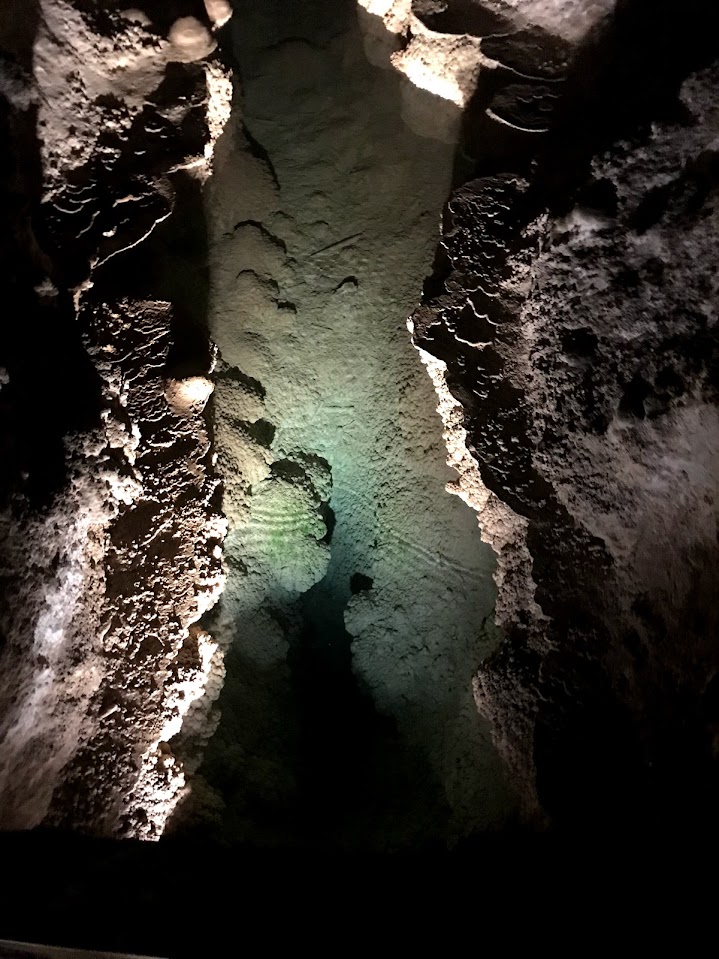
(317, 259)
(282, 535)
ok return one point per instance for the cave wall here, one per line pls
(570, 329)
(568, 326)
(110, 520)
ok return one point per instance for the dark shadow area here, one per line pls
(339, 728)
(179, 899)
(625, 76)
(557, 106)
(52, 388)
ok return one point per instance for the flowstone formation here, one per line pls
(359, 594)
(110, 523)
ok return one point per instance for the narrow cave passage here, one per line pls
(358, 589)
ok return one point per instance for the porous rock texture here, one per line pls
(110, 526)
(447, 44)
(570, 329)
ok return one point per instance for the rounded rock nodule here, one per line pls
(190, 40)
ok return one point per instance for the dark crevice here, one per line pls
(349, 282)
(263, 431)
(330, 521)
(53, 389)
(360, 583)
(258, 151)
(652, 207)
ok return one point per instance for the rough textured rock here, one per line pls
(571, 333)
(568, 326)
(449, 43)
(111, 531)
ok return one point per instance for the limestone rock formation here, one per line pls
(359, 594)
(111, 529)
(571, 334)
(216, 218)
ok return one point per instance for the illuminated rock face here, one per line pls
(359, 594)
(448, 42)
(111, 530)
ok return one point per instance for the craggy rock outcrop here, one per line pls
(498, 58)
(570, 329)
(111, 531)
